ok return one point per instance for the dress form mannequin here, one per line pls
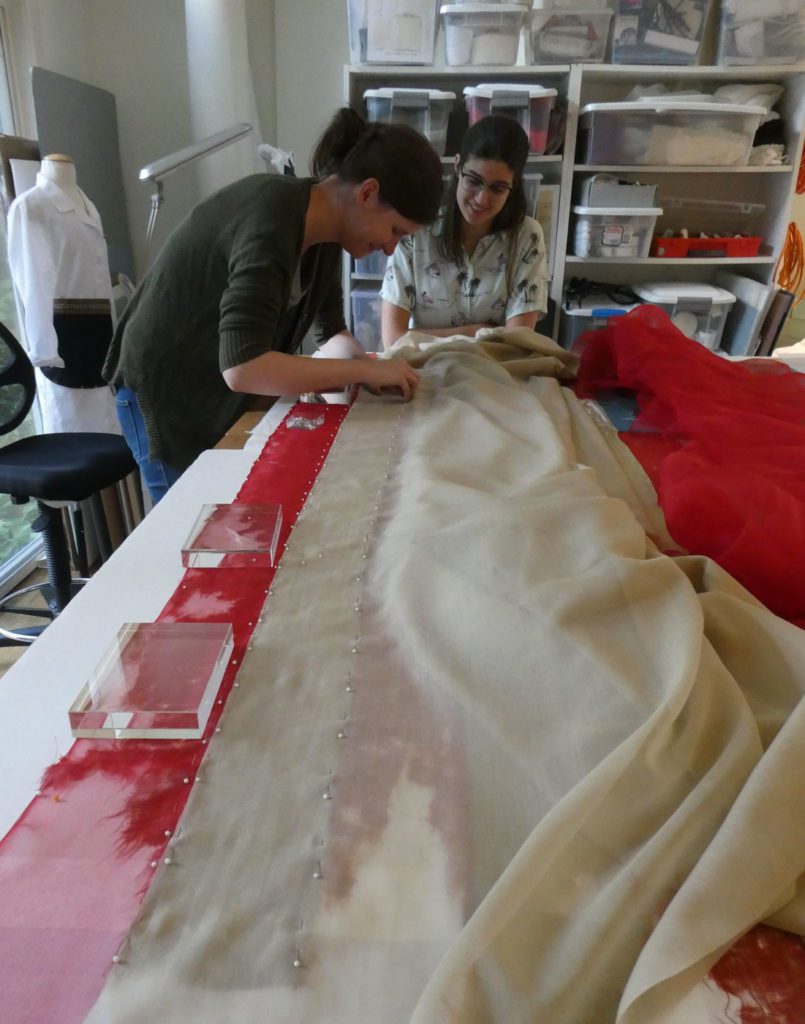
(60, 169)
(58, 261)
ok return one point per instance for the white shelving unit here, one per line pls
(580, 84)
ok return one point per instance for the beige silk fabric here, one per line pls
(523, 352)
(493, 757)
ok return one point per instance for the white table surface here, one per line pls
(132, 586)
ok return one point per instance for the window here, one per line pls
(19, 546)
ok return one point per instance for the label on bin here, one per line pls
(612, 234)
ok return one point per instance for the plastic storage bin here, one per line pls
(569, 34)
(426, 110)
(487, 33)
(607, 190)
(392, 31)
(761, 32)
(373, 265)
(575, 322)
(712, 227)
(617, 232)
(698, 310)
(658, 32)
(531, 183)
(671, 133)
(366, 318)
(529, 105)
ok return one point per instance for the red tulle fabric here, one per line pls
(728, 452)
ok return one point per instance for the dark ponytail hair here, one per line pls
(403, 162)
(495, 137)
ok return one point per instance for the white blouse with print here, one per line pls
(441, 294)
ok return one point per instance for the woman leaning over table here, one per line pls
(221, 314)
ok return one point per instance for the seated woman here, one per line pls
(483, 262)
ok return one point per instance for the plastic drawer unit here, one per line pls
(426, 110)
(487, 33)
(563, 34)
(616, 232)
(392, 31)
(658, 31)
(671, 133)
(366, 318)
(697, 310)
(529, 105)
(761, 32)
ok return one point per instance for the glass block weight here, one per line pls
(233, 537)
(158, 680)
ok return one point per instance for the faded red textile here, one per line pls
(76, 865)
(730, 470)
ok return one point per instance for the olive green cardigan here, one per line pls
(217, 296)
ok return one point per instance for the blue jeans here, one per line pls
(157, 476)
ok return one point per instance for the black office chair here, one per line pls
(58, 468)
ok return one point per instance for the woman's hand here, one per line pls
(390, 374)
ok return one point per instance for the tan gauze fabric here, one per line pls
(564, 771)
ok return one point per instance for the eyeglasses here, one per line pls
(474, 183)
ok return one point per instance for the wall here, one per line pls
(139, 55)
(312, 48)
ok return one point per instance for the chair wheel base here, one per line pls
(53, 604)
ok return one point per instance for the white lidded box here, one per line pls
(426, 110)
(482, 33)
(697, 310)
(761, 32)
(665, 132)
(529, 105)
(366, 318)
(392, 31)
(617, 232)
(569, 33)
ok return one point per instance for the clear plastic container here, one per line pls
(373, 265)
(617, 232)
(669, 132)
(562, 35)
(529, 105)
(482, 33)
(531, 183)
(366, 318)
(644, 33)
(698, 310)
(761, 32)
(392, 31)
(711, 216)
(426, 110)
(575, 322)
(607, 190)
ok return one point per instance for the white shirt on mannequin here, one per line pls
(57, 250)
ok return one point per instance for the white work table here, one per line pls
(132, 586)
